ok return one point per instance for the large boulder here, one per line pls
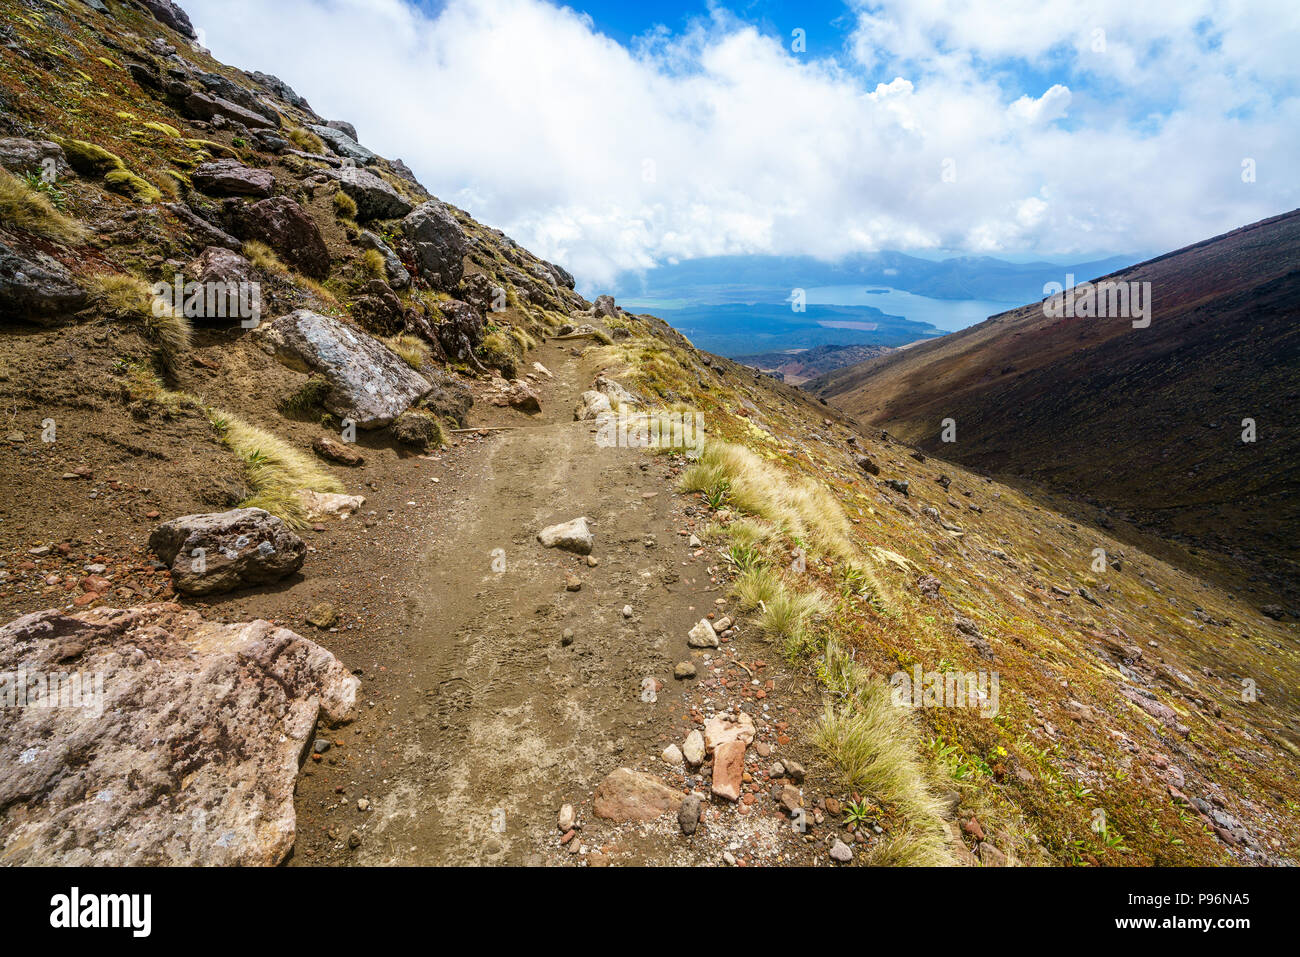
(284, 226)
(169, 14)
(219, 551)
(229, 177)
(280, 90)
(440, 244)
(562, 275)
(36, 287)
(375, 199)
(183, 745)
(368, 382)
(205, 106)
(344, 145)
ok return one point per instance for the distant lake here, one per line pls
(946, 314)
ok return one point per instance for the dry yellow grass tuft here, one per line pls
(28, 210)
(276, 471)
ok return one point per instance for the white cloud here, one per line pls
(720, 140)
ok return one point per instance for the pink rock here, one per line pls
(728, 769)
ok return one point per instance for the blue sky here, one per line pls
(616, 136)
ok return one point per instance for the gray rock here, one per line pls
(344, 127)
(218, 264)
(190, 754)
(368, 382)
(205, 106)
(440, 244)
(204, 231)
(21, 155)
(171, 15)
(688, 815)
(344, 145)
(280, 90)
(841, 852)
(604, 306)
(702, 635)
(36, 287)
(398, 276)
(218, 551)
(375, 199)
(592, 405)
(229, 177)
(573, 536)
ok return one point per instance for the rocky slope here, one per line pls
(375, 459)
(1144, 424)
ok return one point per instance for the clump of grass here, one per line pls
(523, 339)
(372, 264)
(120, 296)
(263, 257)
(165, 129)
(801, 508)
(276, 471)
(411, 349)
(496, 351)
(874, 749)
(345, 207)
(306, 140)
(31, 209)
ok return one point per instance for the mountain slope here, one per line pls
(499, 677)
(1146, 423)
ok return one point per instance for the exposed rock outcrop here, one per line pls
(368, 382)
(182, 748)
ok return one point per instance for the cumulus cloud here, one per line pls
(1014, 126)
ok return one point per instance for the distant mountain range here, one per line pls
(1145, 421)
(770, 279)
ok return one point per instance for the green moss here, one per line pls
(89, 159)
(128, 184)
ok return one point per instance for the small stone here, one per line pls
(672, 755)
(627, 611)
(363, 804)
(354, 840)
(592, 561)
(841, 852)
(323, 615)
(693, 750)
(567, 818)
(702, 635)
(321, 745)
(572, 583)
(567, 638)
(688, 815)
(793, 770)
(683, 670)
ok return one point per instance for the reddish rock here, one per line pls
(627, 795)
(729, 769)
